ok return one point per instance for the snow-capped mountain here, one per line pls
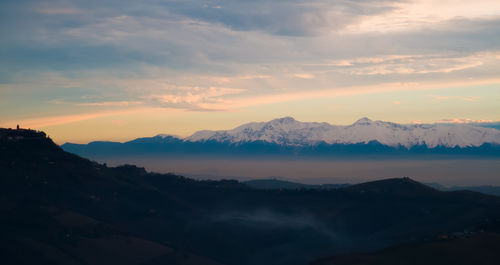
(290, 132)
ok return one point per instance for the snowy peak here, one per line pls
(200, 136)
(284, 131)
(284, 120)
(290, 132)
(164, 136)
(363, 121)
(286, 123)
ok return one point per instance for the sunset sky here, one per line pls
(121, 69)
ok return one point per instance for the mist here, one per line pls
(449, 172)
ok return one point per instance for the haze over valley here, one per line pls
(447, 172)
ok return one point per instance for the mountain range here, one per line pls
(287, 136)
(289, 132)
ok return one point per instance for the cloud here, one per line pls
(464, 121)
(110, 103)
(65, 119)
(462, 98)
(58, 11)
(225, 55)
(425, 14)
(458, 121)
(304, 76)
(187, 35)
(247, 101)
(411, 64)
(281, 17)
(196, 98)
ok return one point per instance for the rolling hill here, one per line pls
(59, 208)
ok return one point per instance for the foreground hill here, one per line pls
(459, 249)
(58, 208)
(286, 136)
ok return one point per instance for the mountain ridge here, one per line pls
(287, 136)
(290, 132)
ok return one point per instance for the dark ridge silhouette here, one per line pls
(485, 189)
(59, 208)
(270, 184)
(394, 186)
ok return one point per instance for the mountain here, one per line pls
(59, 208)
(288, 131)
(286, 136)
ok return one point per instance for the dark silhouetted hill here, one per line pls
(271, 184)
(490, 190)
(393, 187)
(59, 208)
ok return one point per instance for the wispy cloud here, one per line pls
(197, 98)
(411, 64)
(464, 121)
(65, 119)
(110, 103)
(461, 98)
(422, 14)
(247, 101)
(304, 76)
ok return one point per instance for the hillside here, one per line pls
(460, 249)
(53, 208)
(58, 208)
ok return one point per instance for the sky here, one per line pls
(121, 69)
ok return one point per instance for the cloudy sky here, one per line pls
(120, 69)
